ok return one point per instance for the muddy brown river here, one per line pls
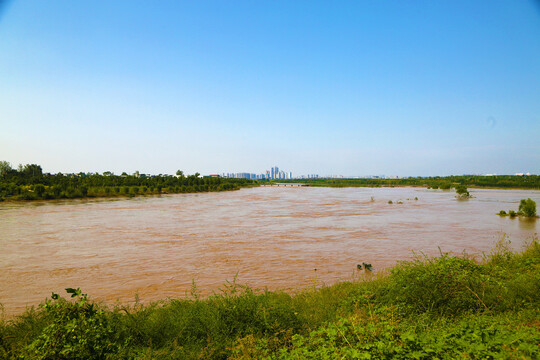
(272, 237)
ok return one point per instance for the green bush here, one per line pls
(383, 336)
(444, 285)
(527, 208)
(462, 191)
(502, 213)
(76, 330)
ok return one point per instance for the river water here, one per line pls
(275, 237)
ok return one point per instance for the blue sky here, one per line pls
(327, 87)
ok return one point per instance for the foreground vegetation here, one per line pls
(444, 307)
(436, 182)
(30, 183)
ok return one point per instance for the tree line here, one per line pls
(435, 182)
(29, 182)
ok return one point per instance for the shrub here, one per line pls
(502, 213)
(381, 336)
(462, 191)
(512, 213)
(444, 285)
(527, 208)
(76, 330)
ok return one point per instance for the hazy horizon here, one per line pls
(348, 88)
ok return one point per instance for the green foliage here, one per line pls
(502, 213)
(462, 191)
(30, 183)
(383, 336)
(75, 330)
(527, 207)
(442, 182)
(39, 190)
(32, 170)
(5, 168)
(443, 285)
(512, 213)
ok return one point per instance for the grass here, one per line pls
(442, 307)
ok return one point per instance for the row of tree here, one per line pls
(436, 182)
(30, 183)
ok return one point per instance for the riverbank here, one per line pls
(529, 182)
(446, 307)
(97, 189)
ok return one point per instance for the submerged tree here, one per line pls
(462, 191)
(527, 208)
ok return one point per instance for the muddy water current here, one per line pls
(274, 237)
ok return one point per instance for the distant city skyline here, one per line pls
(347, 88)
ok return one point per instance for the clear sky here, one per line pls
(328, 87)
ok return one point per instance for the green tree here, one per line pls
(527, 208)
(56, 191)
(179, 173)
(32, 170)
(39, 190)
(5, 167)
(462, 191)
